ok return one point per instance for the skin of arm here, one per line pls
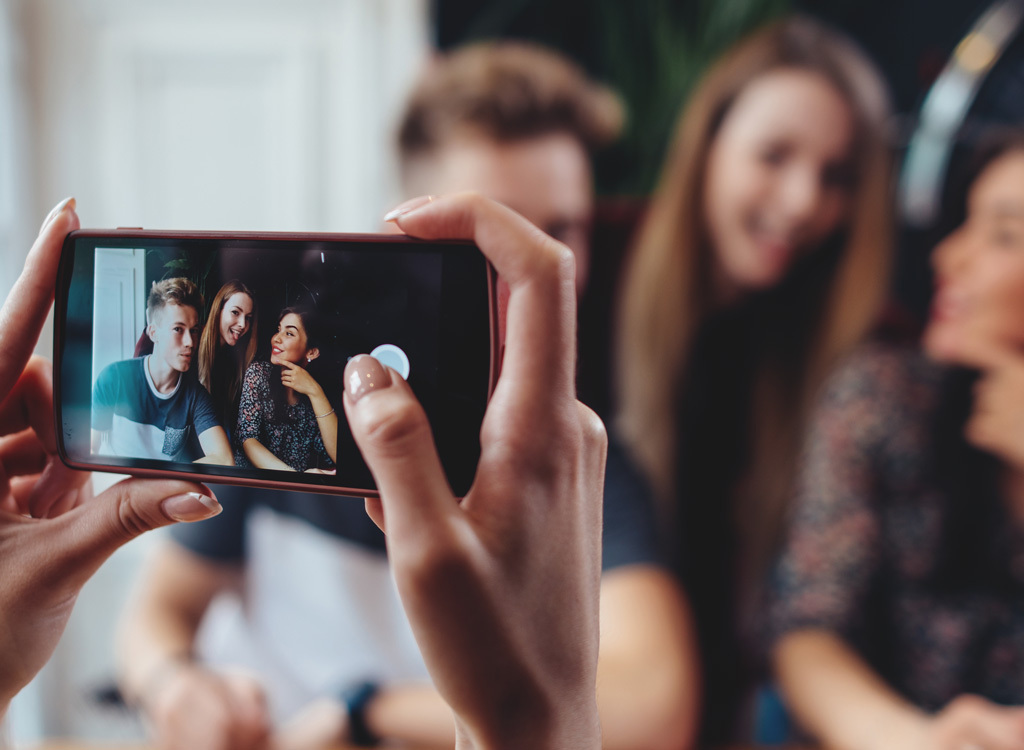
(647, 674)
(261, 457)
(840, 699)
(216, 447)
(301, 381)
(189, 706)
(160, 624)
(328, 425)
(648, 678)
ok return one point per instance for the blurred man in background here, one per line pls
(320, 650)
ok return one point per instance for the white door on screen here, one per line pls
(119, 304)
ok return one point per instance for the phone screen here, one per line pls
(223, 356)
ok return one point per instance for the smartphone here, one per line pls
(219, 356)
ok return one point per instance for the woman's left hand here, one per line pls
(53, 533)
(299, 380)
(997, 419)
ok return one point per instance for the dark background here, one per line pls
(653, 51)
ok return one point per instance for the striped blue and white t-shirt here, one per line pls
(140, 422)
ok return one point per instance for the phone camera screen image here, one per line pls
(223, 356)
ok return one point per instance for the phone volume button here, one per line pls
(120, 229)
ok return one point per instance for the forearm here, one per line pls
(637, 708)
(220, 459)
(215, 445)
(158, 629)
(155, 638)
(327, 422)
(261, 457)
(411, 713)
(648, 676)
(840, 699)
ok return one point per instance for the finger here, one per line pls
(61, 505)
(29, 403)
(392, 432)
(540, 349)
(375, 510)
(22, 453)
(26, 308)
(54, 484)
(80, 540)
(21, 488)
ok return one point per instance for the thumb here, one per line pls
(392, 432)
(82, 539)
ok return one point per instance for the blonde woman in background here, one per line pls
(764, 257)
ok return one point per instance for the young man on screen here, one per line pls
(146, 407)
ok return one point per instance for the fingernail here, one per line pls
(364, 374)
(192, 506)
(407, 207)
(56, 211)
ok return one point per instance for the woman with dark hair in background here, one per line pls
(227, 347)
(762, 260)
(285, 421)
(900, 594)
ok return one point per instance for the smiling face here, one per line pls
(778, 177)
(235, 318)
(174, 330)
(290, 343)
(979, 270)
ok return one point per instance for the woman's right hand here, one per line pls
(196, 708)
(970, 722)
(501, 588)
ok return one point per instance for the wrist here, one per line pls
(356, 699)
(543, 725)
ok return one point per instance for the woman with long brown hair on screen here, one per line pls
(227, 347)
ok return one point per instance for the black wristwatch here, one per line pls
(356, 698)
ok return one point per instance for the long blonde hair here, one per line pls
(214, 373)
(666, 293)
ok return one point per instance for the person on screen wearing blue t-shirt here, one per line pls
(146, 407)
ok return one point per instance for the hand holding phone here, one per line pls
(47, 558)
(502, 587)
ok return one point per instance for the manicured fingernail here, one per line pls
(192, 506)
(407, 207)
(56, 211)
(364, 374)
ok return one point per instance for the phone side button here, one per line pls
(119, 229)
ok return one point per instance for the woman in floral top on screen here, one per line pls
(285, 421)
(899, 608)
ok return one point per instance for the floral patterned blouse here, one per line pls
(297, 442)
(864, 543)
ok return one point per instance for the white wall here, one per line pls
(194, 114)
